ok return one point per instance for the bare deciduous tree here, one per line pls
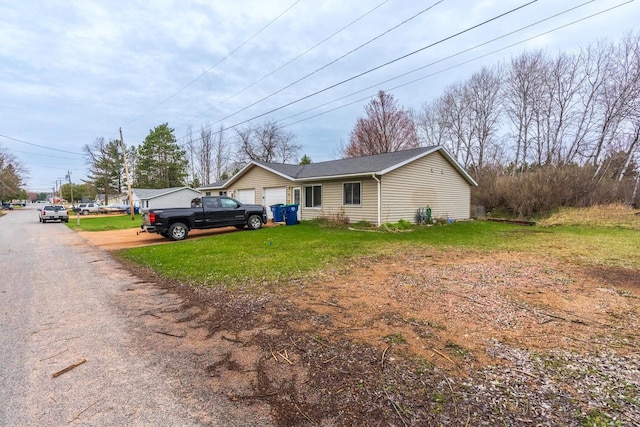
(267, 143)
(521, 93)
(386, 128)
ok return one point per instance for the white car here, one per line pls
(53, 213)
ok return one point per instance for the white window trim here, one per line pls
(353, 205)
(304, 196)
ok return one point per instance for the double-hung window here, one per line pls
(313, 196)
(351, 193)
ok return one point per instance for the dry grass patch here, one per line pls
(617, 215)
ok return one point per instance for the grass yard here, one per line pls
(284, 253)
(103, 222)
(470, 323)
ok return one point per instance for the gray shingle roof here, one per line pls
(150, 193)
(351, 166)
(366, 165)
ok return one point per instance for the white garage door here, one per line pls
(274, 196)
(246, 196)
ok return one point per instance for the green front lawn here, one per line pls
(103, 223)
(283, 253)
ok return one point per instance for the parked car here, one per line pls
(205, 212)
(87, 208)
(7, 207)
(53, 213)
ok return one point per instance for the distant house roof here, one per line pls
(378, 164)
(150, 193)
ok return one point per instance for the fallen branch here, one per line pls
(332, 304)
(84, 410)
(51, 357)
(232, 340)
(68, 368)
(384, 353)
(305, 415)
(285, 358)
(466, 297)
(318, 341)
(526, 373)
(169, 334)
(397, 409)
(330, 360)
(295, 344)
(443, 355)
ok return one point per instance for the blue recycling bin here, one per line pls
(278, 212)
(291, 214)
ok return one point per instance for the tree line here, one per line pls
(536, 132)
(160, 161)
(543, 130)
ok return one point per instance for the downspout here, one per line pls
(379, 201)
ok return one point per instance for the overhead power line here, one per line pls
(377, 85)
(215, 65)
(39, 146)
(330, 63)
(290, 61)
(376, 68)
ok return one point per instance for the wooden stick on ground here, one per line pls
(443, 355)
(383, 354)
(68, 368)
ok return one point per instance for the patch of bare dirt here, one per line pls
(133, 237)
(422, 338)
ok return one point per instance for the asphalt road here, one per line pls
(56, 309)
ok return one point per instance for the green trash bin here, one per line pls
(291, 214)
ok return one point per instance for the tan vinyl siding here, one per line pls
(332, 201)
(429, 181)
(259, 179)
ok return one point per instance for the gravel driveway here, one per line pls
(62, 302)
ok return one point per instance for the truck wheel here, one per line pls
(254, 223)
(85, 212)
(178, 231)
(44, 221)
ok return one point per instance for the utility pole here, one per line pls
(126, 172)
(70, 186)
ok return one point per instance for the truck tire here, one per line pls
(85, 212)
(254, 222)
(178, 231)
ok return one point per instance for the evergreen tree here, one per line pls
(306, 160)
(161, 161)
(105, 167)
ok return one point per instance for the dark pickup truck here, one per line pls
(205, 212)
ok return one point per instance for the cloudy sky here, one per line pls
(72, 71)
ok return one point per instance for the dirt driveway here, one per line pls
(429, 336)
(131, 238)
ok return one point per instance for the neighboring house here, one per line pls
(379, 189)
(177, 197)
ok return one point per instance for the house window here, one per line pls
(222, 193)
(207, 193)
(313, 196)
(351, 193)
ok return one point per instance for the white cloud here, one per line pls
(91, 66)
